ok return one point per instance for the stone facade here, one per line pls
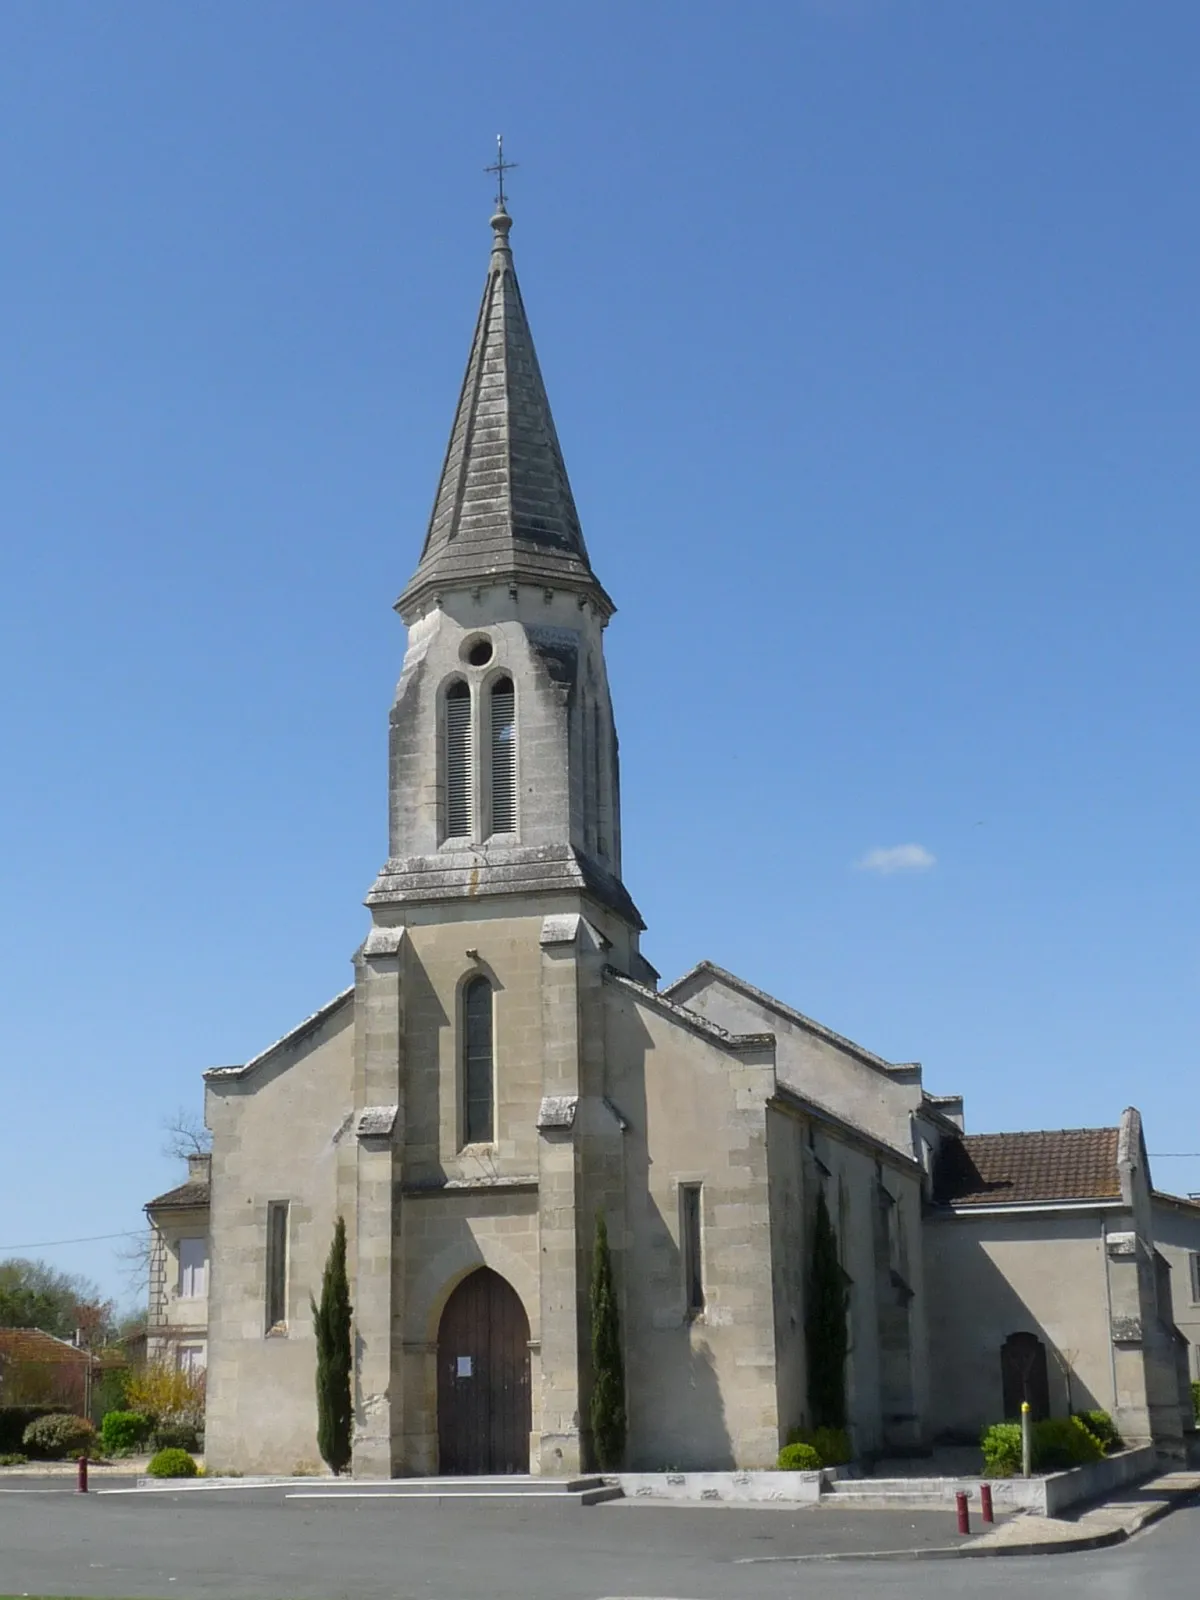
(504, 1068)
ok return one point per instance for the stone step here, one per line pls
(585, 1491)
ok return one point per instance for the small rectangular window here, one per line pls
(190, 1359)
(1194, 1264)
(277, 1266)
(690, 1247)
(193, 1268)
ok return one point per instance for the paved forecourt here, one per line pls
(284, 1541)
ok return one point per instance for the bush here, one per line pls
(123, 1432)
(175, 1434)
(831, 1444)
(57, 1436)
(1001, 1445)
(172, 1464)
(15, 1419)
(1102, 1427)
(1062, 1442)
(1057, 1443)
(13, 1458)
(1196, 1402)
(799, 1458)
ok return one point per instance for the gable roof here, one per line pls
(294, 1037)
(32, 1344)
(190, 1196)
(981, 1169)
(789, 1014)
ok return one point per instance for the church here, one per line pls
(506, 1065)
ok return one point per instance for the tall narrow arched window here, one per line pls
(478, 1092)
(459, 762)
(504, 757)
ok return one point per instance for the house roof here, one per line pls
(32, 1344)
(981, 1169)
(190, 1196)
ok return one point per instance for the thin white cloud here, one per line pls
(898, 858)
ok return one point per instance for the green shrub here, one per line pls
(13, 1458)
(57, 1436)
(172, 1464)
(1062, 1442)
(799, 1458)
(831, 1444)
(123, 1432)
(1057, 1443)
(1101, 1426)
(1196, 1402)
(1001, 1446)
(175, 1434)
(15, 1419)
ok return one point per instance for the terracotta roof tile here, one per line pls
(1007, 1168)
(31, 1344)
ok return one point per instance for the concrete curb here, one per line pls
(977, 1551)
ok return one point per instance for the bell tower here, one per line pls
(503, 765)
(480, 1006)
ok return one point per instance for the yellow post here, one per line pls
(1026, 1440)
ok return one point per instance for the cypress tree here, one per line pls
(331, 1319)
(608, 1370)
(825, 1325)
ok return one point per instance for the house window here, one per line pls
(460, 764)
(504, 757)
(1194, 1266)
(193, 1269)
(478, 1094)
(189, 1358)
(277, 1266)
(690, 1247)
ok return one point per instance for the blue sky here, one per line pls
(869, 329)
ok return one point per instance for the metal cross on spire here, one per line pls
(500, 167)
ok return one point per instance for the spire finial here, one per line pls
(500, 167)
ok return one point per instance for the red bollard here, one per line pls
(81, 1484)
(964, 1514)
(985, 1502)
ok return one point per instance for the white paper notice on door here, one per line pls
(464, 1367)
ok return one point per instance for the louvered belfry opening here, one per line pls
(459, 762)
(504, 757)
(477, 1062)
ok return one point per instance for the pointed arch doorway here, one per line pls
(483, 1379)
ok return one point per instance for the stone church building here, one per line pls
(505, 1065)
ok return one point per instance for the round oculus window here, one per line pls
(479, 652)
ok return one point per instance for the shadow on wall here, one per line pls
(673, 1393)
(969, 1361)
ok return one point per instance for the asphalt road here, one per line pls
(260, 1545)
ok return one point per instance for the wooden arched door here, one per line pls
(483, 1379)
(1024, 1375)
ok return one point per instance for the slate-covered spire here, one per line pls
(504, 511)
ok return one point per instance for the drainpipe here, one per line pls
(1112, 1354)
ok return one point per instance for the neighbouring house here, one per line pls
(504, 1066)
(39, 1369)
(177, 1320)
(1043, 1247)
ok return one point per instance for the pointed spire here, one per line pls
(504, 510)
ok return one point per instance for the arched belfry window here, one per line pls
(478, 1090)
(459, 762)
(504, 757)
